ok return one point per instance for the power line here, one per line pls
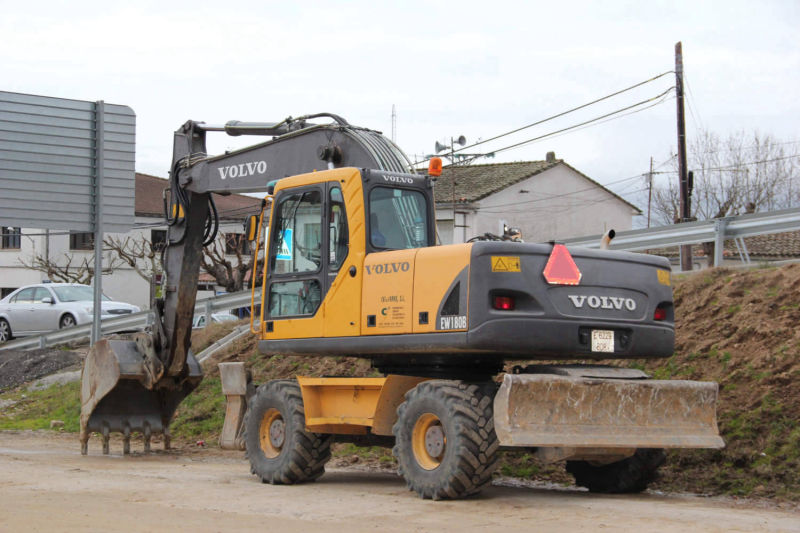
(661, 98)
(553, 117)
(734, 167)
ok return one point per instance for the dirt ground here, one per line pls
(46, 485)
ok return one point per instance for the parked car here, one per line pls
(199, 321)
(36, 309)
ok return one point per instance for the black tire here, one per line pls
(67, 321)
(630, 475)
(468, 457)
(297, 455)
(5, 331)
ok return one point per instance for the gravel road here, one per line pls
(46, 485)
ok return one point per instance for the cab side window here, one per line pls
(337, 230)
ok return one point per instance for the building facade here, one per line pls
(547, 200)
(75, 251)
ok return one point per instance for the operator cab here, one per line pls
(322, 223)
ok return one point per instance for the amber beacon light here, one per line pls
(435, 166)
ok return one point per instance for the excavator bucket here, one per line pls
(119, 393)
(580, 411)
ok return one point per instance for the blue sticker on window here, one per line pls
(285, 253)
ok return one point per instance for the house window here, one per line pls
(12, 238)
(158, 239)
(81, 241)
(236, 243)
(5, 291)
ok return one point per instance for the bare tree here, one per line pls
(72, 269)
(144, 257)
(215, 261)
(744, 172)
(139, 254)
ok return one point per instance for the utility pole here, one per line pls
(683, 216)
(649, 190)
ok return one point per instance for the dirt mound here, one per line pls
(21, 366)
(739, 328)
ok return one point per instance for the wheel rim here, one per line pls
(3, 331)
(67, 322)
(428, 441)
(272, 433)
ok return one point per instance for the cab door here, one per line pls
(296, 276)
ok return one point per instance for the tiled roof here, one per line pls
(149, 202)
(475, 182)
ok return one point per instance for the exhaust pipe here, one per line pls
(605, 241)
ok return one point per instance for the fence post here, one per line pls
(719, 239)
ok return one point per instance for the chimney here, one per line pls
(550, 157)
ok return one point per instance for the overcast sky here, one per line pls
(476, 69)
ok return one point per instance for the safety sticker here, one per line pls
(501, 263)
(285, 253)
(663, 277)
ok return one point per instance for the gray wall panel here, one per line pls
(48, 130)
(47, 163)
(43, 169)
(46, 149)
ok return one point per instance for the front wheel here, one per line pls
(445, 443)
(627, 476)
(277, 444)
(67, 321)
(5, 330)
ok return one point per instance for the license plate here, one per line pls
(602, 340)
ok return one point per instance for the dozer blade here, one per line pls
(119, 393)
(546, 410)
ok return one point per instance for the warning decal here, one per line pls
(285, 253)
(502, 263)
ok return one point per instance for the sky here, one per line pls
(478, 69)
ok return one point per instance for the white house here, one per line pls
(122, 282)
(547, 200)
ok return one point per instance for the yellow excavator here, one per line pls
(352, 267)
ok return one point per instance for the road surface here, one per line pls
(46, 485)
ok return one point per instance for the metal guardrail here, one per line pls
(125, 323)
(717, 230)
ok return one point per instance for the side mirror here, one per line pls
(251, 228)
(47, 300)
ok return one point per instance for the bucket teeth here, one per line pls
(118, 394)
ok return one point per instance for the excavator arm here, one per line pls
(136, 385)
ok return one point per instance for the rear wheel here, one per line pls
(629, 475)
(445, 442)
(67, 321)
(279, 448)
(5, 330)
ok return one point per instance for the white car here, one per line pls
(36, 309)
(199, 321)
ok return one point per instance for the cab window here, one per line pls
(398, 219)
(297, 246)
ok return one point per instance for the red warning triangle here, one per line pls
(560, 268)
